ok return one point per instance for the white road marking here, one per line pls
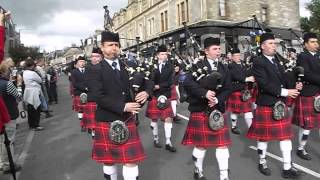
(22, 157)
(183, 117)
(301, 168)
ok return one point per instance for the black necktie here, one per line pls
(115, 69)
(274, 62)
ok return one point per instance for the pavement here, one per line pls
(63, 152)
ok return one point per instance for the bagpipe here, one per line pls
(209, 80)
(291, 69)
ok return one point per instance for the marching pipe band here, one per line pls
(209, 84)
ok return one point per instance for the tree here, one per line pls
(313, 22)
(21, 53)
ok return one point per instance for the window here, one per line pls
(141, 31)
(183, 12)
(264, 14)
(187, 10)
(222, 8)
(164, 21)
(178, 10)
(150, 27)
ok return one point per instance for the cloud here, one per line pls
(303, 11)
(55, 24)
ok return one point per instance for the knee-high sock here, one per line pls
(80, 115)
(167, 130)
(248, 118)
(174, 107)
(262, 150)
(222, 156)
(286, 147)
(130, 173)
(198, 157)
(303, 138)
(110, 172)
(234, 119)
(154, 127)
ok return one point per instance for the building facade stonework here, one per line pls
(152, 20)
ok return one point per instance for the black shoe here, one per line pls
(235, 130)
(7, 170)
(89, 131)
(263, 168)
(292, 173)
(83, 129)
(176, 119)
(156, 143)
(48, 115)
(39, 128)
(170, 148)
(199, 176)
(303, 154)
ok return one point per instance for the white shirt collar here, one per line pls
(111, 61)
(313, 53)
(269, 58)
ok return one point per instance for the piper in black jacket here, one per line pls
(272, 85)
(240, 79)
(89, 109)
(305, 115)
(198, 133)
(163, 81)
(78, 84)
(109, 83)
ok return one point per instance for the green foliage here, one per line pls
(312, 23)
(21, 53)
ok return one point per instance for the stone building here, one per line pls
(160, 21)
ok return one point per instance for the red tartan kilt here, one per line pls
(76, 105)
(174, 95)
(199, 134)
(290, 102)
(154, 113)
(265, 128)
(254, 93)
(89, 114)
(104, 151)
(305, 115)
(236, 105)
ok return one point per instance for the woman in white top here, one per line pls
(32, 94)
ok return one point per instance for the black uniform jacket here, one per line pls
(164, 80)
(197, 94)
(270, 79)
(238, 74)
(78, 81)
(109, 92)
(311, 65)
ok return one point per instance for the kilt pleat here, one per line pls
(265, 128)
(89, 114)
(174, 95)
(104, 151)
(76, 105)
(199, 134)
(304, 114)
(236, 105)
(154, 113)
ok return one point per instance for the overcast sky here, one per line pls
(55, 24)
